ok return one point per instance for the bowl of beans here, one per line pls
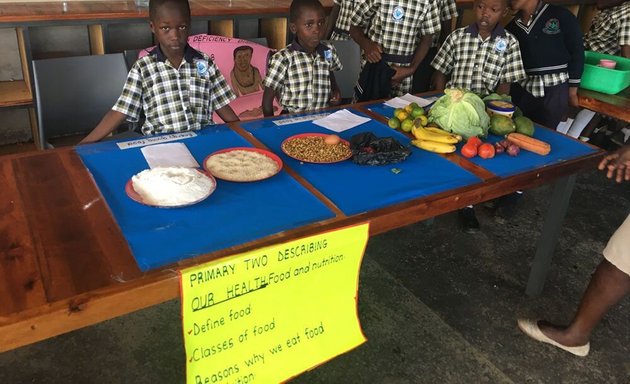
(314, 148)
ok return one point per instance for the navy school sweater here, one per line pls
(551, 44)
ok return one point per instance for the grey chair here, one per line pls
(131, 55)
(349, 54)
(72, 94)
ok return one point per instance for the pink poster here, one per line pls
(243, 64)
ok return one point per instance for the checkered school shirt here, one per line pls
(610, 30)
(535, 84)
(479, 65)
(173, 100)
(397, 26)
(341, 30)
(448, 11)
(302, 79)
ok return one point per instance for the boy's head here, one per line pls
(489, 12)
(170, 23)
(307, 19)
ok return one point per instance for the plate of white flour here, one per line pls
(170, 187)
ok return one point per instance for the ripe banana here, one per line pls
(433, 146)
(443, 132)
(422, 133)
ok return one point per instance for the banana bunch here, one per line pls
(434, 139)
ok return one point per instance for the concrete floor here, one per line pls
(437, 306)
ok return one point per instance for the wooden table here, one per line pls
(617, 106)
(64, 263)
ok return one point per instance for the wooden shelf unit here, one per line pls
(15, 93)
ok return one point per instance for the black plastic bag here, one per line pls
(368, 149)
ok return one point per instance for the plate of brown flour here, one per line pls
(242, 164)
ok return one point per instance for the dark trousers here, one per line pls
(548, 110)
(422, 76)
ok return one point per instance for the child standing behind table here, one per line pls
(482, 57)
(156, 81)
(424, 73)
(301, 73)
(610, 30)
(610, 34)
(553, 56)
(338, 26)
(390, 30)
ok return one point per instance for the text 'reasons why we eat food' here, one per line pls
(270, 314)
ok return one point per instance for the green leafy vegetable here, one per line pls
(496, 96)
(462, 112)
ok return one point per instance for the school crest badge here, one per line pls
(202, 67)
(398, 14)
(500, 46)
(552, 26)
(328, 55)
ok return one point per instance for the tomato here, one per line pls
(469, 150)
(475, 141)
(486, 151)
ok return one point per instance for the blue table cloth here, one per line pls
(234, 214)
(361, 188)
(381, 109)
(563, 148)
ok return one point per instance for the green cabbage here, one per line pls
(461, 112)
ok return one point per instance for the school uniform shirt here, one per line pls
(397, 26)
(551, 48)
(341, 30)
(302, 79)
(173, 99)
(480, 65)
(609, 30)
(448, 11)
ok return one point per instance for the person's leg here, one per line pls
(555, 106)
(607, 287)
(530, 106)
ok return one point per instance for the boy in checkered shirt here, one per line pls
(610, 30)
(397, 31)
(610, 34)
(175, 86)
(423, 75)
(300, 75)
(482, 57)
(338, 25)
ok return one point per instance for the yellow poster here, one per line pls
(268, 315)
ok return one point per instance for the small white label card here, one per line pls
(169, 155)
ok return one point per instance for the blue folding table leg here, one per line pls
(549, 237)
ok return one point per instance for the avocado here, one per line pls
(501, 125)
(524, 125)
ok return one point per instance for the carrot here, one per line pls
(529, 143)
